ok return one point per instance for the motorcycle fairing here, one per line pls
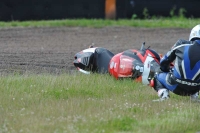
(84, 58)
(101, 61)
(93, 59)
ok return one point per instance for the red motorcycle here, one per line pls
(137, 64)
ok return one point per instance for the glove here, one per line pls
(165, 68)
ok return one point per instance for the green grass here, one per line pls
(174, 22)
(90, 104)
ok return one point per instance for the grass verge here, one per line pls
(90, 103)
(97, 23)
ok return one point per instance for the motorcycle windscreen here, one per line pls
(125, 66)
(102, 58)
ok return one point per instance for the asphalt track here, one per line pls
(52, 50)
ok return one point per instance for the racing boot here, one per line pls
(195, 97)
(163, 94)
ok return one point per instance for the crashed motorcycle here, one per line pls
(137, 64)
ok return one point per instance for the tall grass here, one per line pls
(174, 22)
(90, 104)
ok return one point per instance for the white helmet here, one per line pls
(195, 33)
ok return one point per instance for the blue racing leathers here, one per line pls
(184, 77)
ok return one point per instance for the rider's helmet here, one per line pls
(195, 33)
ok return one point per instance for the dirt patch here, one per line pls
(52, 50)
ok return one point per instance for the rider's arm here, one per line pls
(170, 56)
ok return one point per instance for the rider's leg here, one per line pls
(162, 86)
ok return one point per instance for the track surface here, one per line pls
(51, 50)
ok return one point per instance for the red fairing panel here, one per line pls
(147, 53)
(126, 66)
(114, 65)
(121, 66)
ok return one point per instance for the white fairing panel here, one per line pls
(146, 71)
(83, 71)
(89, 50)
